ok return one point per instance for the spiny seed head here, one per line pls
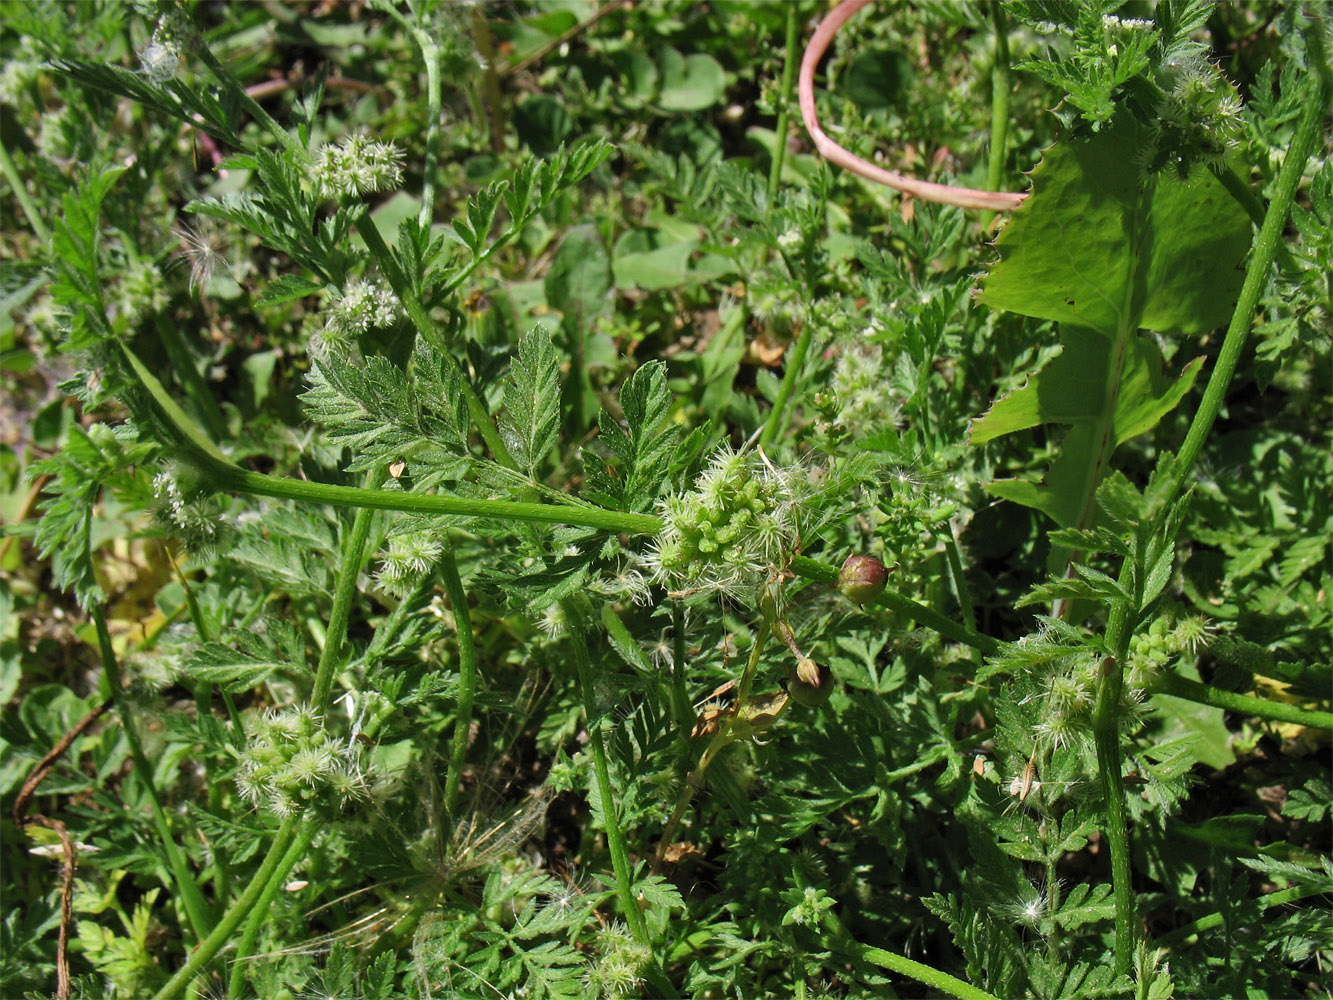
(356, 165)
(862, 578)
(739, 518)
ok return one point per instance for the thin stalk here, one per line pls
(960, 587)
(1106, 738)
(224, 77)
(615, 835)
(790, 62)
(999, 107)
(196, 389)
(795, 362)
(201, 956)
(1243, 704)
(330, 657)
(1303, 144)
(819, 572)
(933, 978)
(259, 913)
(467, 675)
(21, 196)
(1282, 897)
(196, 908)
(430, 55)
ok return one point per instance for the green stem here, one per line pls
(192, 382)
(330, 657)
(196, 909)
(1303, 144)
(795, 362)
(999, 107)
(430, 55)
(716, 745)
(1282, 897)
(1243, 704)
(201, 956)
(259, 913)
(933, 978)
(615, 835)
(21, 196)
(793, 58)
(960, 587)
(230, 478)
(467, 675)
(1106, 737)
(819, 572)
(224, 77)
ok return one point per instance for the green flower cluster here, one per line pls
(727, 534)
(291, 762)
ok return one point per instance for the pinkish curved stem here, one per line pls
(1000, 201)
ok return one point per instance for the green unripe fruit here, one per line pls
(809, 683)
(862, 579)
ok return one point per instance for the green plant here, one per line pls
(483, 613)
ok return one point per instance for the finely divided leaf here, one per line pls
(644, 447)
(531, 421)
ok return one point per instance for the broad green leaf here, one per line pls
(1099, 245)
(690, 83)
(1073, 389)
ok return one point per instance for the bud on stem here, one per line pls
(862, 579)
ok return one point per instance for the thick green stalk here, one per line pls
(259, 913)
(952, 554)
(795, 362)
(231, 478)
(196, 908)
(467, 675)
(1303, 144)
(330, 657)
(791, 61)
(221, 934)
(1243, 704)
(21, 195)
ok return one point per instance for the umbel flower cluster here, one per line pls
(728, 534)
(357, 165)
(292, 762)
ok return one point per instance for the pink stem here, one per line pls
(1000, 201)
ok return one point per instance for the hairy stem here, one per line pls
(259, 913)
(1308, 135)
(784, 107)
(1243, 704)
(795, 362)
(201, 956)
(467, 676)
(999, 106)
(330, 657)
